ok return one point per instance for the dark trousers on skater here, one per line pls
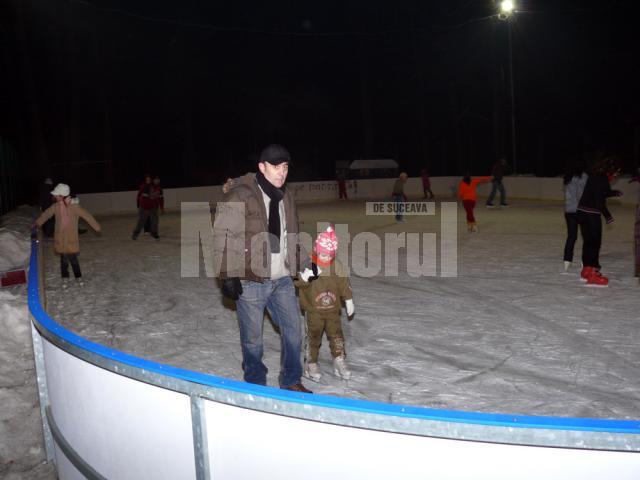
(65, 260)
(399, 199)
(497, 185)
(143, 215)
(572, 235)
(591, 230)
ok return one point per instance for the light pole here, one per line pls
(507, 10)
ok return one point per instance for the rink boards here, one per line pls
(107, 414)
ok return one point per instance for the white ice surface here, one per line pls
(510, 334)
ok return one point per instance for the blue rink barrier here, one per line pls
(108, 414)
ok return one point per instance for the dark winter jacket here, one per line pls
(145, 200)
(500, 170)
(398, 187)
(157, 196)
(595, 194)
(240, 233)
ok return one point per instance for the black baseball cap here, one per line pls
(275, 154)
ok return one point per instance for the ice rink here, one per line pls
(511, 333)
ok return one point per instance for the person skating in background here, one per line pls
(322, 290)
(426, 184)
(467, 193)
(574, 182)
(500, 169)
(636, 228)
(593, 205)
(147, 208)
(342, 186)
(65, 238)
(257, 275)
(46, 200)
(158, 196)
(398, 195)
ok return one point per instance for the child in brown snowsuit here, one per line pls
(322, 289)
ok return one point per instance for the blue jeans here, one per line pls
(497, 186)
(279, 298)
(399, 199)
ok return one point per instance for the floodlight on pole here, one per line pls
(506, 7)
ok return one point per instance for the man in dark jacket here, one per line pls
(500, 169)
(257, 251)
(147, 209)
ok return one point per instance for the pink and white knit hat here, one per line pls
(327, 242)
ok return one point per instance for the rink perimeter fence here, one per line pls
(108, 414)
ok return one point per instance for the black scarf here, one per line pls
(275, 195)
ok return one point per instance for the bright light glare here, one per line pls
(506, 6)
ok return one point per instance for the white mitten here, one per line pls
(351, 308)
(308, 273)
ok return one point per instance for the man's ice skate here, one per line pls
(80, 282)
(312, 372)
(567, 266)
(65, 283)
(340, 368)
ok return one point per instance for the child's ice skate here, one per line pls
(340, 368)
(312, 372)
(65, 283)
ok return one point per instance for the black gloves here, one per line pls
(314, 269)
(232, 288)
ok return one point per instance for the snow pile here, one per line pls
(14, 238)
(21, 443)
(15, 331)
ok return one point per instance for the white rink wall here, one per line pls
(444, 187)
(107, 414)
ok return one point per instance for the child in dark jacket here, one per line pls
(322, 289)
(592, 205)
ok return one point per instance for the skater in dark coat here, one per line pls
(593, 205)
(147, 208)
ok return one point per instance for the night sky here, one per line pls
(96, 93)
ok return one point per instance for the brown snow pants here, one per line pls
(317, 324)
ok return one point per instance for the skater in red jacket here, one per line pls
(467, 193)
